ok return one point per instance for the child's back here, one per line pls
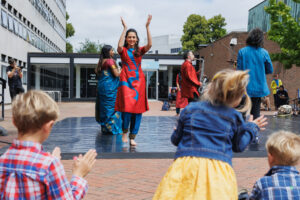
(206, 134)
(26, 171)
(282, 181)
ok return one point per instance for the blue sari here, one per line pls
(109, 119)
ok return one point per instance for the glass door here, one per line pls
(151, 84)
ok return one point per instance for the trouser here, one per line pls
(196, 97)
(255, 110)
(177, 111)
(132, 119)
(13, 91)
(275, 100)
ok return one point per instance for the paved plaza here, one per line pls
(124, 173)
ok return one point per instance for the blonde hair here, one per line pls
(226, 87)
(31, 110)
(284, 146)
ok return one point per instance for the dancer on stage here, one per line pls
(131, 97)
(108, 80)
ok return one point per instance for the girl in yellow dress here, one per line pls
(206, 135)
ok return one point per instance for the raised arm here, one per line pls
(122, 38)
(149, 38)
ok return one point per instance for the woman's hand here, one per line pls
(148, 21)
(123, 23)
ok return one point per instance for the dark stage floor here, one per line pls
(77, 135)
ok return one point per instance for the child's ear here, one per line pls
(13, 121)
(271, 159)
(48, 126)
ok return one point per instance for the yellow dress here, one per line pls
(198, 178)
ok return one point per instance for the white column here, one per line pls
(77, 95)
(37, 77)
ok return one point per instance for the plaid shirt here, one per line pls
(27, 172)
(280, 183)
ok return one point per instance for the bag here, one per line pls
(166, 106)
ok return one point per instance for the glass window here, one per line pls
(28, 35)
(10, 23)
(24, 78)
(16, 27)
(4, 18)
(24, 33)
(52, 77)
(20, 30)
(3, 70)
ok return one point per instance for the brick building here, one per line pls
(223, 54)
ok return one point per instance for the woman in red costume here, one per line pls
(131, 96)
(181, 102)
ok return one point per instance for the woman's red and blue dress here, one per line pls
(131, 97)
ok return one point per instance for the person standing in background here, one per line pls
(256, 59)
(181, 102)
(190, 83)
(275, 84)
(14, 74)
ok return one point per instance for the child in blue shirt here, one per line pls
(207, 134)
(282, 182)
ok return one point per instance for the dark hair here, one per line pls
(11, 61)
(105, 54)
(136, 46)
(186, 54)
(255, 38)
(281, 87)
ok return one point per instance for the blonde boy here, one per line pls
(28, 172)
(283, 180)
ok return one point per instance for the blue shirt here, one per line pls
(212, 131)
(258, 62)
(280, 183)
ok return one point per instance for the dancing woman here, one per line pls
(108, 80)
(131, 97)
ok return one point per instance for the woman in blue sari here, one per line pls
(108, 80)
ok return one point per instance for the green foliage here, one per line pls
(70, 31)
(69, 48)
(198, 30)
(285, 30)
(89, 47)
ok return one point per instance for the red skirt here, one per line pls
(181, 102)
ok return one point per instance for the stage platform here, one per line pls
(77, 135)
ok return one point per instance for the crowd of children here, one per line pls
(207, 134)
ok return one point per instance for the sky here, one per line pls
(99, 20)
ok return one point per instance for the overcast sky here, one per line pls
(99, 20)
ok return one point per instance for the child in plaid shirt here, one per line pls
(28, 172)
(282, 182)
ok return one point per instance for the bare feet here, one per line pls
(124, 138)
(132, 142)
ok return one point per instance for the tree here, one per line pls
(285, 30)
(70, 31)
(89, 47)
(197, 30)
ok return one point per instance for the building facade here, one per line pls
(166, 44)
(257, 16)
(72, 75)
(223, 54)
(30, 26)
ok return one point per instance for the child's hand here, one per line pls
(56, 152)
(261, 121)
(83, 164)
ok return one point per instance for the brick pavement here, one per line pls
(135, 178)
